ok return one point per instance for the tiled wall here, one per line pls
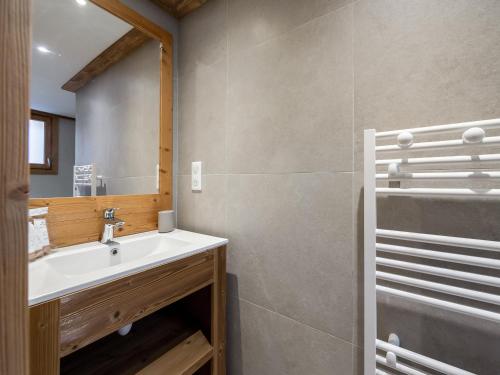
(274, 95)
(117, 119)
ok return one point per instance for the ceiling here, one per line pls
(179, 8)
(75, 34)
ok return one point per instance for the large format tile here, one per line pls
(127, 185)
(204, 211)
(202, 36)
(291, 246)
(290, 101)
(262, 342)
(202, 118)
(468, 343)
(428, 62)
(118, 119)
(253, 22)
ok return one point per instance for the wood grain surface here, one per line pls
(14, 116)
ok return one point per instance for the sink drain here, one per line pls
(114, 251)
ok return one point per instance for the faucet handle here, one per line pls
(109, 213)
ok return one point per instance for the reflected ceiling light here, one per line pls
(43, 49)
(46, 51)
(81, 2)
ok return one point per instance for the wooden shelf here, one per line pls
(165, 339)
(183, 359)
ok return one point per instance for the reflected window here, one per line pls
(42, 135)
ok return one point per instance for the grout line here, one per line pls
(226, 117)
(272, 174)
(295, 28)
(354, 276)
(226, 85)
(296, 321)
(193, 69)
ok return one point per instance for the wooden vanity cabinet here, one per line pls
(63, 326)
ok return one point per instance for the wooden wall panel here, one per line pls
(14, 116)
(44, 339)
(78, 220)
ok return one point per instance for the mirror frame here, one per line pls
(73, 220)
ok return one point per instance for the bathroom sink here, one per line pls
(77, 267)
(103, 256)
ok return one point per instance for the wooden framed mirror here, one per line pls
(73, 220)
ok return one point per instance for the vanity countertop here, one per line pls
(78, 267)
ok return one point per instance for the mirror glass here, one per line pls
(95, 103)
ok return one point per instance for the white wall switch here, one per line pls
(196, 176)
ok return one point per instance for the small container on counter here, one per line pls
(166, 221)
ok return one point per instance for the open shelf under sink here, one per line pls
(166, 339)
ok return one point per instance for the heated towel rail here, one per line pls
(377, 251)
(85, 180)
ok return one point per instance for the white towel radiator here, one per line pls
(473, 137)
(84, 180)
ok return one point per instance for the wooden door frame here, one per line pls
(15, 38)
(74, 220)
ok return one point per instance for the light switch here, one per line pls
(196, 175)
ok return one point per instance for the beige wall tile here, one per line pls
(293, 70)
(204, 211)
(290, 246)
(265, 343)
(203, 118)
(290, 101)
(429, 62)
(202, 36)
(253, 22)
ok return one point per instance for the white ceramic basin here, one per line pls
(77, 267)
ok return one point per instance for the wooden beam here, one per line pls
(180, 8)
(113, 54)
(53, 114)
(122, 11)
(168, 5)
(184, 7)
(14, 116)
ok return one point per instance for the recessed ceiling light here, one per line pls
(81, 2)
(43, 49)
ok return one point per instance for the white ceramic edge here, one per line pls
(217, 242)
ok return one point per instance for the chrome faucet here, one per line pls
(110, 223)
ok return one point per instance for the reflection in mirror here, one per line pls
(95, 97)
